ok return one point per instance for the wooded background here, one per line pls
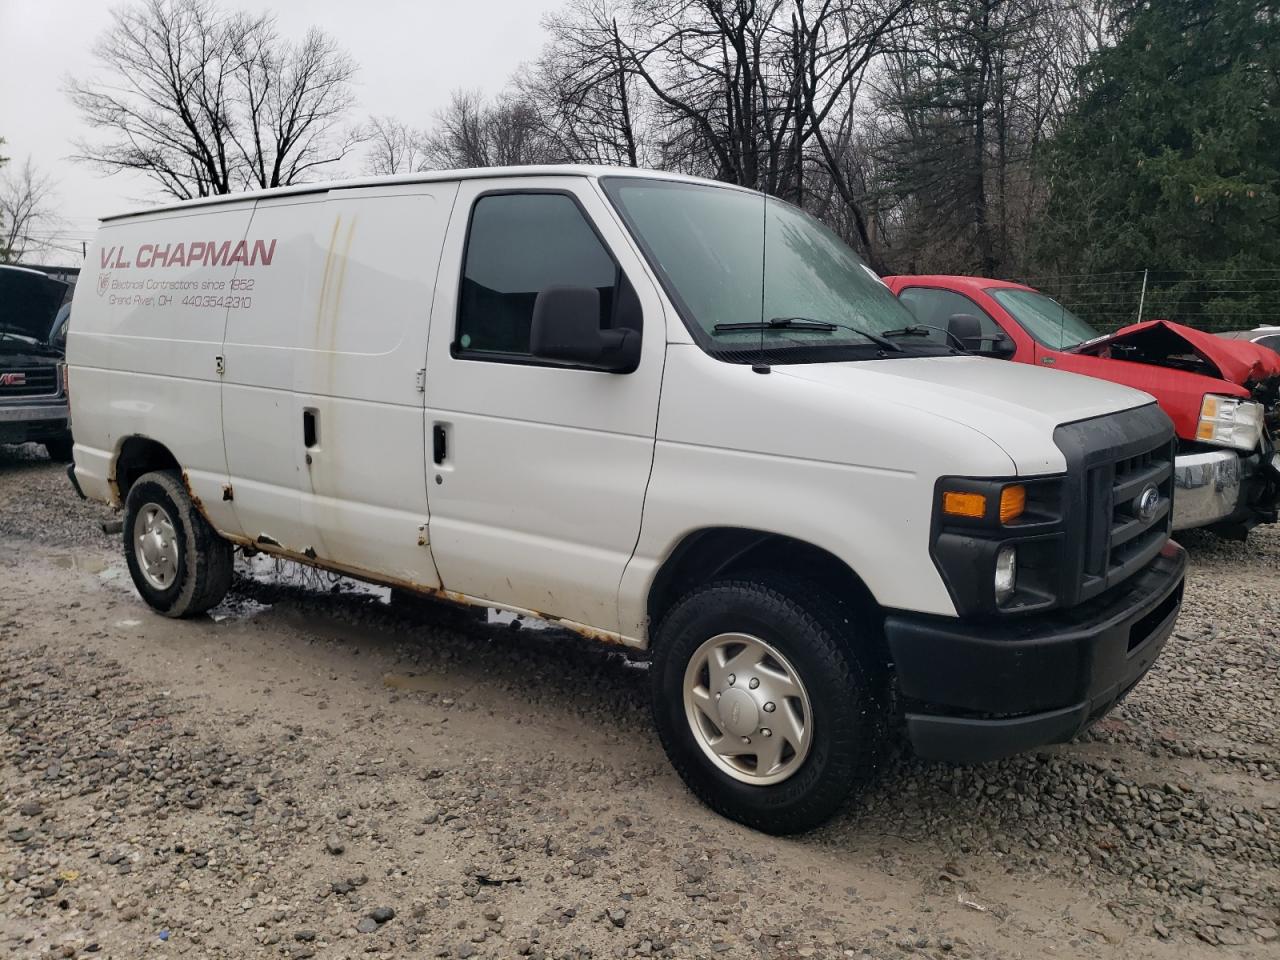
(1085, 146)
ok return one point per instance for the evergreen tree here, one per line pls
(1171, 160)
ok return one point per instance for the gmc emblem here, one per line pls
(12, 379)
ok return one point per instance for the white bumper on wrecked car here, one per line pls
(1207, 488)
(1216, 486)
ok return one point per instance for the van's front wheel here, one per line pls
(179, 564)
(762, 702)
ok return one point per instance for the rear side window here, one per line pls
(933, 308)
(519, 244)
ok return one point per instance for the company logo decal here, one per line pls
(104, 281)
(1148, 503)
(13, 379)
(192, 253)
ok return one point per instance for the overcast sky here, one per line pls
(412, 53)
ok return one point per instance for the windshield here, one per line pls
(706, 244)
(1045, 319)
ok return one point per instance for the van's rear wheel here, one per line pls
(179, 564)
(762, 702)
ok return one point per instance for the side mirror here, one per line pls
(566, 327)
(1003, 347)
(966, 330)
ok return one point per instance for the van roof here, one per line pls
(425, 176)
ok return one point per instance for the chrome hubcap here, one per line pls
(747, 709)
(155, 546)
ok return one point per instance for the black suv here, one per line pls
(34, 310)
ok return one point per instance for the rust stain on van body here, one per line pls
(269, 547)
(195, 500)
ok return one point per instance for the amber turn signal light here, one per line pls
(964, 504)
(1013, 501)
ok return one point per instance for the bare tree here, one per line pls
(586, 96)
(394, 147)
(964, 105)
(914, 128)
(204, 102)
(4, 250)
(472, 132)
(291, 100)
(754, 92)
(26, 213)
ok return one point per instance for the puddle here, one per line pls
(502, 618)
(265, 569)
(270, 571)
(90, 564)
(409, 682)
(237, 608)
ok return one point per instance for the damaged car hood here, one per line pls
(1165, 344)
(29, 302)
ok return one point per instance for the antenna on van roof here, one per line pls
(760, 366)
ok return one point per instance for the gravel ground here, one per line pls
(311, 771)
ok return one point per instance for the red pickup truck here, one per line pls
(1223, 396)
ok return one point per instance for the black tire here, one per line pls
(205, 560)
(845, 688)
(59, 449)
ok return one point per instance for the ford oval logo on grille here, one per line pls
(1148, 503)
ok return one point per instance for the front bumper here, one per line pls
(1223, 487)
(981, 691)
(1209, 487)
(20, 423)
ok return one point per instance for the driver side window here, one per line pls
(519, 244)
(935, 307)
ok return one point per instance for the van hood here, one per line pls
(1164, 344)
(29, 302)
(1015, 405)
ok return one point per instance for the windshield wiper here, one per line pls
(922, 330)
(806, 324)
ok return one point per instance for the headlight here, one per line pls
(1229, 422)
(1006, 572)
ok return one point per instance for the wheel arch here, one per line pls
(135, 456)
(716, 552)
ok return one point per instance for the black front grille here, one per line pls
(1122, 537)
(1111, 461)
(28, 382)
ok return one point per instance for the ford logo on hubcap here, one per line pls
(1148, 502)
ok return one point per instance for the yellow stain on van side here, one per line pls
(319, 469)
(337, 256)
(328, 264)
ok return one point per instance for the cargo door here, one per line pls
(323, 399)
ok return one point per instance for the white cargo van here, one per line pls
(662, 412)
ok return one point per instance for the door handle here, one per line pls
(310, 433)
(439, 443)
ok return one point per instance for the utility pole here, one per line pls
(1142, 298)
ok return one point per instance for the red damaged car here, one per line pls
(1222, 395)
